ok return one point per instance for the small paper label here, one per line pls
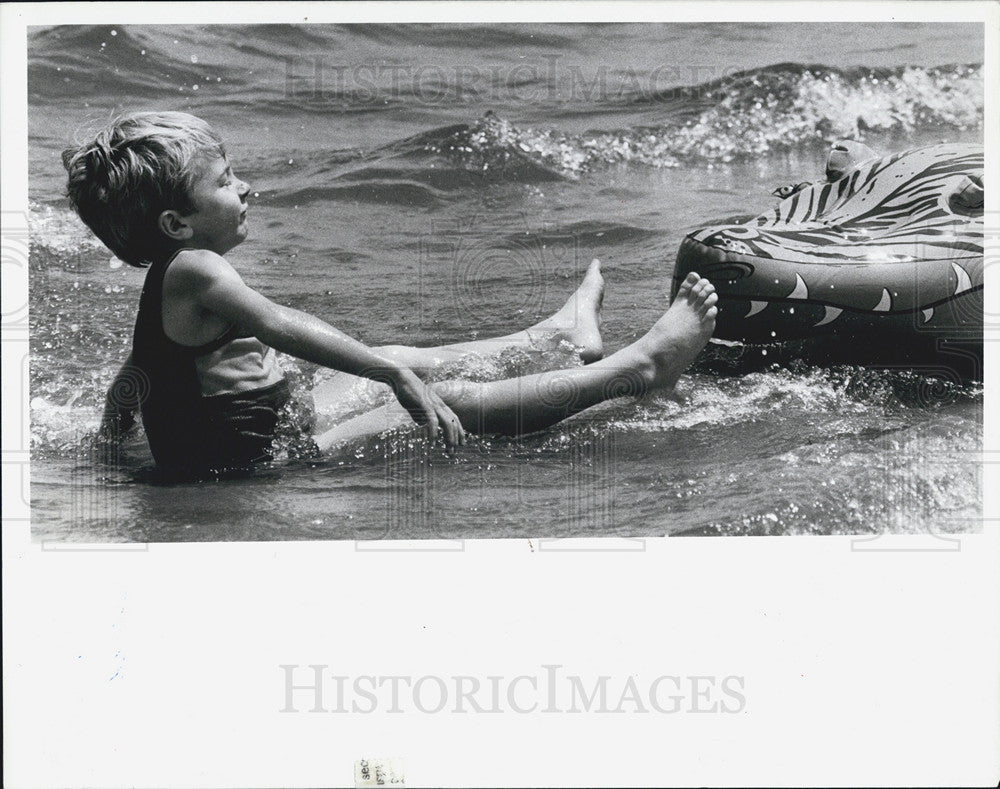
(379, 772)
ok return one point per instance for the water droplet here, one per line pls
(194, 87)
(194, 58)
(74, 327)
(142, 51)
(256, 194)
(290, 161)
(114, 32)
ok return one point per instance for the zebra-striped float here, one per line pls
(883, 247)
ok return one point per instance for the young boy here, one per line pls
(158, 190)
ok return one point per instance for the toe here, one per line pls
(687, 284)
(701, 291)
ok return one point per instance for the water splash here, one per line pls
(744, 115)
(59, 233)
(855, 400)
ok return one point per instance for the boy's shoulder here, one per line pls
(200, 266)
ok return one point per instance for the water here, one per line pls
(433, 184)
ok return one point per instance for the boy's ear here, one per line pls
(172, 225)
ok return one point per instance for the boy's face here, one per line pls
(219, 221)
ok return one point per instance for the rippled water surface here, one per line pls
(432, 184)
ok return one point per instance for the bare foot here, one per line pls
(667, 349)
(578, 321)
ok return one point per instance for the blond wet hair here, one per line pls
(139, 165)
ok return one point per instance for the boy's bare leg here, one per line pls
(578, 322)
(524, 405)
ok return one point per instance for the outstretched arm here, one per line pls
(120, 404)
(218, 288)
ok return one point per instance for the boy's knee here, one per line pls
(392, 351)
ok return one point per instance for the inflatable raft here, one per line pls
(884, 247)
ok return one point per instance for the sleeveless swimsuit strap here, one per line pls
(230, 334)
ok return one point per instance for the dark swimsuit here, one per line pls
(190, 433)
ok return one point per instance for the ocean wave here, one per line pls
(744, 115)
(593, 233)
(392, 192)
(465, 36)
(131, 63)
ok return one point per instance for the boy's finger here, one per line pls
(432, 425)
(441, 413)
(457, 433)
(450, 418)
(447, 428)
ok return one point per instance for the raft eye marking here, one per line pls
(928, 314)
(885, 303)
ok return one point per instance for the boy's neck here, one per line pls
(171, 248)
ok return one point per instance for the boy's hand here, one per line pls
(427, 408)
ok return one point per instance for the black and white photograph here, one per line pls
(624, 292)
(502, 307)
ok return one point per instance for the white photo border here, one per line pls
(161, 667)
